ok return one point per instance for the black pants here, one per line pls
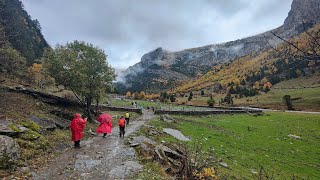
(121, 133)
(127, 121)
(77, 144)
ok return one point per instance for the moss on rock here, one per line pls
(30, 125)
(14, 128)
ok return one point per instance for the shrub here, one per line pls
(211, 101)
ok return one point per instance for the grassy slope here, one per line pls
(310, 97)
(266, 142)
(242, 67)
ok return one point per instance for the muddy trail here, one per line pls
(99, 158)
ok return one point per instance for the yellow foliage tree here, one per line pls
(38, 75)
(236, 82)
(142, 95)
(128, 94)
(264, 81)
(135, 95)
(257, 85)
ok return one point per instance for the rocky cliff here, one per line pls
(161, 69)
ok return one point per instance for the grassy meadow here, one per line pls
(245, 142)
(305, 91)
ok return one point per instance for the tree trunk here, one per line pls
(88, 107)
(97, 107)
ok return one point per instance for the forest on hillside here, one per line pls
(256, 73)
(21, 40)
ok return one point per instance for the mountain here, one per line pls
(256, 73)
(21, 32)
(161, 70)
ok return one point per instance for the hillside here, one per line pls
(270, 66)
(21, 40)
(161, 69)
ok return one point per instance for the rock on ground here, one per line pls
(7, 131)
(167, 118)
(141, 139)
(125, 170)
(9, 152)
(175, 133)
(44, 123)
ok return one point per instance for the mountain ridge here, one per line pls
(190, 63)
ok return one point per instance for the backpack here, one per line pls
(127, 115)
(122, 122)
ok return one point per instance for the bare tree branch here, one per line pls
(290, 43)
(305, 29)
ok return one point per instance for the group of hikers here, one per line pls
(78, 124)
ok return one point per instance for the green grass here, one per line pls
(151, 170)
(245, 142)
(309, 97)
(127, 103)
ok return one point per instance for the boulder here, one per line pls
(61, 123)
(126, 169)
(9, 152)
(223, 164)
(63, 114)
(8, 128)
(45, 124)
(136, 141)
(167, 118)
(175, 133)
(294, 136)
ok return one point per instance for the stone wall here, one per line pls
(113, 108)
(198, 112)
(56, 100)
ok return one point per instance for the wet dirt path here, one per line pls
(99, 158)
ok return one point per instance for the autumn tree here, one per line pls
(39, 76)
(211, 101)
(128, 94)
(288, 102)
(82, 68)
(190, 96)
(135, 96)
(202, 92)
(142, 95)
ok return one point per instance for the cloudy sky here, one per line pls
(127, 29)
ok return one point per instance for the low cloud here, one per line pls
(127, 29)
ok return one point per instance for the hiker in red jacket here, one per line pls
(122, 125)
(77, 125)
(105, 126)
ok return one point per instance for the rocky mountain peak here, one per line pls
(161, 66)
(307, 11)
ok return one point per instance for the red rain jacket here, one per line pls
(105, 124)
(77, 125)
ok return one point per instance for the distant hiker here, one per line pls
(122, 125)
(127, 117)
(77, 125)
(105, 126)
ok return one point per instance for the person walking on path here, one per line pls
(122, 125)
(105, 126)
(77, 125)
(127, 117)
